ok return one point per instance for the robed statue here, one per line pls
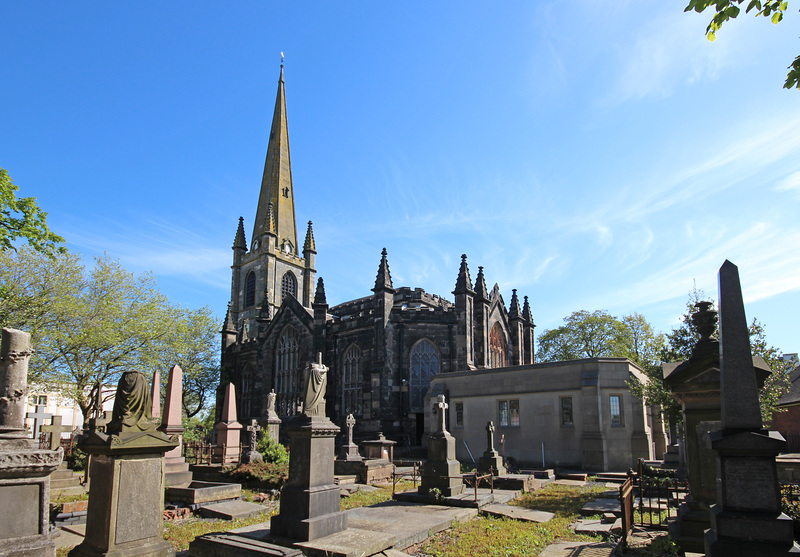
(132, 405)
(316, 382)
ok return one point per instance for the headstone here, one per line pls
(155, 395)
(349, 452)
(24, 468)
(273, 422)
(177, 469)
(747, 518)
(229, 431)
(251, 454)
(310, 500)
(441, 471)
(54, 431)
(491, 461)
(39, 417)
(126, 501)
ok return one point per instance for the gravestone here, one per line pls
(349, 452)
(441, 471)
(126, 501)
(24, 468)
(229, 431)
(491, 461)
(155, 395)
(54, 431)
(251, 454)
(309, 507)
(273, 422)
(63, 481)
(747, 518)
(177, 469)
(39, 417)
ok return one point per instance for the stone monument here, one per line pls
(441, 471)
(251, 454)
(39, 416)
(24, 468)
(177, 469)
(126, 501)
(155, 395)
(273, 422)
(63, 481)
(349, 452)
(310, 500)
(491, 461)
(229, 431)
(747, 518)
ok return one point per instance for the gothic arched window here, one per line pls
(497, 347)
(424, 361)
(246, 391)
(250, 290)
(351, 381)
(288, 375)
(288, 286)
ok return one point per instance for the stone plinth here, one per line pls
(365, 471)
(126, 501)
(310, 500)
(24, 469)
(442, 471)
(177, 469)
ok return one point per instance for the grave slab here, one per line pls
(230, 510)
(220, 544)
(352, 542)
(600, 506)
(584, 549)
(517, 513)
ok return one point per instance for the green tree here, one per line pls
(21, 218)
(725, 10)
(583, 335)
(191, 341)
(88, 326)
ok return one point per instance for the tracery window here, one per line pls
(424, 362)
(497, 347)
(288, 285)
(288, 374)
(246, 392)
(351, 381)
(250, 290)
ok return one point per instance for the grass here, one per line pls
(368, 498)
(502, 537)
(180, 533)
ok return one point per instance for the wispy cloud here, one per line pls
(790, 183)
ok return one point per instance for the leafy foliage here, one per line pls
(21, 218)
(271, 450)
(725, 10)
(583, 335)
(88, 326)
(265, 475)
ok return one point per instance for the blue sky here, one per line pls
(593, 155)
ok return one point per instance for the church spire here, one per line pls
(276, 184)
(309, 245)
(526, 311)
(514, 311)
(480, 286)
(384, 279)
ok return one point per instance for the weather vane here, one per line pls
(281, 57)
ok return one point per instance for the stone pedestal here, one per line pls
(349, 451)
(24, 468)
(229, 431)
(442, 471)
(177, 472)
(310, 500)
(491, 461)
(126, 501)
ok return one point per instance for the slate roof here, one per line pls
(792, 396)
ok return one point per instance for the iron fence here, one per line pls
(658, 499)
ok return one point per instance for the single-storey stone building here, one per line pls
(576, 414)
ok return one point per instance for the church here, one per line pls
(382, 349)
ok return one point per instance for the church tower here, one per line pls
(273, 266)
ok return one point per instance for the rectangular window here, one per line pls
(615, 402)
(566, 410)
(508, 413)
(514, 407)
(502, 410)
(38, 400)
(459, 414)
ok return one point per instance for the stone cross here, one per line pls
(38, 418)
(739, 390)
(350, 422)
(490, 436)
(253, 429)
(441, 406)
(55, 429)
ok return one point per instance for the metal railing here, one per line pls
(626, 504)
(414, 474)
(659, 499)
